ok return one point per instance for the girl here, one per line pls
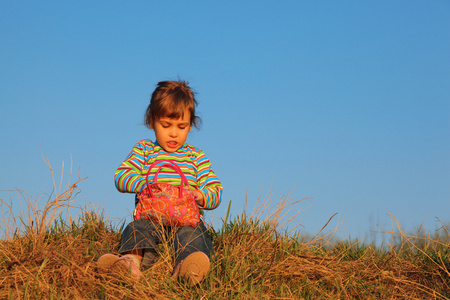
(171, 115)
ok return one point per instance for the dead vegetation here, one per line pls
(46, 254)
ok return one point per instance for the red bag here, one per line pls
(167, 204)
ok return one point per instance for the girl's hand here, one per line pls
(199, 198)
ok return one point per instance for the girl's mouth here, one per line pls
(172, 144)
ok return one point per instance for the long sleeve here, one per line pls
(208, 183)
(128, 177)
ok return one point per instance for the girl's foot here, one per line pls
(126, 263)
(193, 268)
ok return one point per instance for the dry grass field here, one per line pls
(46, 253)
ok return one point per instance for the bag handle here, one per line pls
(166, 164)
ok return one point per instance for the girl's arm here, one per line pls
(128, 177)
(210, 188)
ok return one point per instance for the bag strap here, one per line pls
(166, 164)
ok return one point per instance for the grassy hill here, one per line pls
(46, 254)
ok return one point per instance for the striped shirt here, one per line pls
(130, 177)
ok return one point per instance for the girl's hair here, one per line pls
(171, 99)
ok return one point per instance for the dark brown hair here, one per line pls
(171, 99)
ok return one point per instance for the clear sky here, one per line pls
(344, 102)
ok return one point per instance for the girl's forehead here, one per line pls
(185, 117)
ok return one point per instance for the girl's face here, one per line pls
(171, 134)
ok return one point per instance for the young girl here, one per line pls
(171, 114)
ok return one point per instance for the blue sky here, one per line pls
(346, 103)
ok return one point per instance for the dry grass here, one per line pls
(44, 255)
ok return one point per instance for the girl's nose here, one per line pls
(173, 132)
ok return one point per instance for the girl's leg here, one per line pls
(139, 239)
(193, 251)
(189, 240)
(139, 235)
